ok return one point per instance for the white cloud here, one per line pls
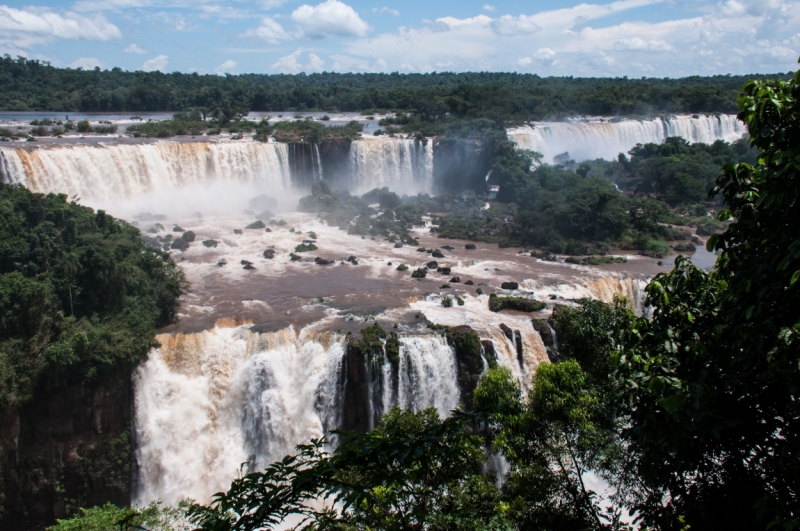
(290, 64)
(488, 7)
(637, 43)
(524, 61)
(328, 19)
(508, 26)
(269, 31)
(545, 56)
(87, 63)
(31, 26)
(388, 10)
(133, 48)
(227, 66)
(156, 63)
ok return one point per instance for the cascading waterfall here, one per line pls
(105, 173)
(208, 402)
(589, 140)
(404, 165)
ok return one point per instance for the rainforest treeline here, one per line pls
(31, 85)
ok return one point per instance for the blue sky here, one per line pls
(625, 37)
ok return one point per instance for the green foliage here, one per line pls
(80, 293)
(711, 381)
(414, 471)
(109, 517)
(419, 273)
(402, 267)
(447, 302)
(34, 85)
(498, 303)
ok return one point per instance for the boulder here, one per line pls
(469, 283)
(497, 303)
(238, 231)
(443, 270)
(269, 254)
(323, 261)
(180, 244)
(470, 246)
(545, 332)
(432, 265)
(448, 247)
(445, 286)
(437, 254)
(398, 245)
(507, 331)
(455, 280)
(177, 228)
(189, 236)
(352, 258)
(221, 262)
(246, 262)
(509, 285)
(248, 266)
(258, 224)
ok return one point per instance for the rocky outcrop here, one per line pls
(70, 448)
(498, 303)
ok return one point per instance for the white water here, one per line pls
(104, 174)
(404, 165)
(207, 403)
(589, 140)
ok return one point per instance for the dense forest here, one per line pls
(30, 85)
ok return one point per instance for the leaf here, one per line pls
(794, 277)
(749, 312)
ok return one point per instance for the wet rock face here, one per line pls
(470, 247)
(509, 285)
(70, 448)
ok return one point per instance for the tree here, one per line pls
(711, 381)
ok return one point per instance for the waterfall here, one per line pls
(427, 375)
(318, 161)
(104, 173)
(208, 402)
(211, 402)
(589, 140)
(404, 165)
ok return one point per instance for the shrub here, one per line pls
(419, 273)
(84, 127)
(210, 243)
(447, 302)
(497, 303)
(402, 267)
(303, 247)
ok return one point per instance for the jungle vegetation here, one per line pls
(32, 85)
(80, 294)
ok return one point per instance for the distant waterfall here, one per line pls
(589, 140)
(404, 165)
(105, 173)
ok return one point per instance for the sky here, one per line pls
(635, 38)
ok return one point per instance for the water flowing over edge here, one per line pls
(605, 140)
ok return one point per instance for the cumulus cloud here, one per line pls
(524, 61)
(87, 63)
(29, 26)
(329, 19)
(508, 26)
(488, 7)
(269, 31)
(637, 43)
(227, 66)
(133, 48)
(290, 64)
(156, 63)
